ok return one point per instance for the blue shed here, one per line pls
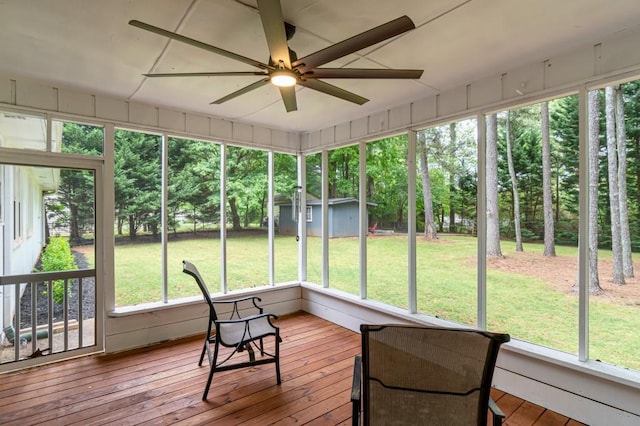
(343, 217)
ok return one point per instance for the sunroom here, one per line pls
(157, 173)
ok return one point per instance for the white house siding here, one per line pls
(23, 236)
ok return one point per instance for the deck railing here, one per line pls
(52, 334)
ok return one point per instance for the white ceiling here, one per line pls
(88, 44)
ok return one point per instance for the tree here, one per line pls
(614, 194)
(621, 142)
(194, 175)
(246, 185)
(547, 202)
(137, 182)
(386, 178)
(429, 222)
(76, 191)
(594, 168)
(493, 224)
(514, 185)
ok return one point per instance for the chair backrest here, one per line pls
(190, 269)
(427, 375)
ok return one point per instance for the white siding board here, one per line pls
(312, 140)
(343, 131)
(36, 95)
(620, 52)
(562, 401)
(527, 80)
(484, 92)
(76, 103)
(146, 115)
(294, 140)
(424, 109)
(7, 90)
(112, 109)
(242, 132)
(327, 136)
(197, 124)
(378, 123)
(567, 69)
(286, 141)
(173, 322)
(400, 117)
(222, 129)
(84, 104)
(262, 136)
(171, 120)
(452, 101)
(359, 128)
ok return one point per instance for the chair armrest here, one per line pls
(235, 312)
(498, 415)
(242, 299)
(356, 390)
(247, 319)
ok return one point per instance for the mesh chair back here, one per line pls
(431, 376)
(190, 268)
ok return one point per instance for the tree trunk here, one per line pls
(74, 229)
(514, 186)
(594, 170)
(614, 195)
(547, 201)
(195, 229)
(133, 231)
(429, 222)
(235, 217)
(493, 223)
(452, 183)
(621, 136)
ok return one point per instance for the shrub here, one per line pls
(57, 256)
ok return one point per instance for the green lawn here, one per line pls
(521, 305)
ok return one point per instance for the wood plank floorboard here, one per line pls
(163, 384)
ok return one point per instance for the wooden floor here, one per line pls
(163, 385)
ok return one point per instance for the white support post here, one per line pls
(481, 219)
(223, 218)
(302, 219)
(271, 218)
(164, 227)
(325, 218)
(362, 182)
(108, 233)
(583, 226)
(412, 280)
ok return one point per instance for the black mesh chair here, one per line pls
(413, 375)
(241, 333)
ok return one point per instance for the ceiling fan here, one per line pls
(285, 70)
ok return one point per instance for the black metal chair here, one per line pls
(413, 375)
(235, 331)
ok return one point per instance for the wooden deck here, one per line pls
(163, 385)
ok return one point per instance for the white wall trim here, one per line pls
(30, 95)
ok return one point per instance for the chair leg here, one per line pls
(277, 354)
(212, 369)
(252, 355)
(207, 340)
(204, 349)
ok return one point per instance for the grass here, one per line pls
(521, 305)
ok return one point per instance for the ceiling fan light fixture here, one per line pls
(284, 78)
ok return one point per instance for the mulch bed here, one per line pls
(88, 299)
